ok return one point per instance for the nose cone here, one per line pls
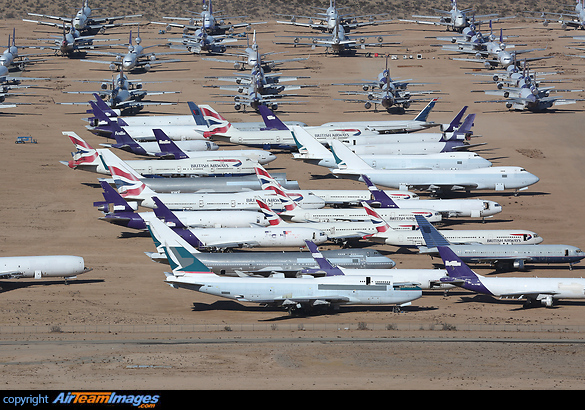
(266, 158)
(532, 179)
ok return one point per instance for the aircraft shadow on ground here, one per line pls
(7, 286)
(230, 305)
(517, 304)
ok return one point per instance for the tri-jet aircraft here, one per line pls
(339, 42)
(293, 294)
(574, 19)
(207, 21)
(535, 291)
(329, 17)
(513, 255)
(136, 59)
(11, 58)
(201, 41)
(454, 19)
(72, 44)
(83, 20)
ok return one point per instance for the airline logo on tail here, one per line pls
(271, 216)
(85, 153)
(128, 185)
(379, 223)
(217, 124)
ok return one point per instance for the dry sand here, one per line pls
(47, 209)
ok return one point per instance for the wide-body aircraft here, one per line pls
(40, 267)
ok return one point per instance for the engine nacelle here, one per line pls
(518, 264)
(147, 67)
(546, 300)
(274, 106)
(368, 105)
(113, 67)
(508, 105)
(237, 107)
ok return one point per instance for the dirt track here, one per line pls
(47, 209)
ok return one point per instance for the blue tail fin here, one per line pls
(324, 264)
(422, 116)
(458, 271)
(380, 196)
(456, 122)
(431, 236)
(271, 121)
(197, 115)
(465, 128)
(111, 196)
(168, 146)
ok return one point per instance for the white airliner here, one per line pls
(39, 267)
(536, 291)
(390, 236)
(312, 151)
(133, 189)
(492, 178)
(277, 290)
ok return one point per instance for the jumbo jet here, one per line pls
(535, 291)
(312, 151)
(208, 21)
(307, 292)
(83, 20)
(409, 238)
(40, 267)
(449, 208)
(265, 263)
(490, 178)
(332, 197)
(132, 188)
(118, 211)
(512, 255)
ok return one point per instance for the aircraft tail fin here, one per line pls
(271, 121)
(379, 223)
(268, 183)
(217, 124)
(423, 115)
(163, 213)
(456, 122)
(180, 254)
(197, 114)
(127, 179)
(272, 217)
(465, 128)
(456, 268)
(85, 154)
(346, 158)
(111, 196)
(431, 235)
(103, 106)
(168, 146)
(324, 264)
(308, 145)
(378, 195)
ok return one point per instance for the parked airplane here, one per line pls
(277, 291)
(454, 19)
(404, 218)
(202, 41)
(83, 20)
(536, 291)
(338, 42)
(449, 208)
(125, 95)
(241, 237)
(119, 212)
(390, 236)
(574, 20)
(332, 197)
(207, 21)
(228, 162)
(72, 44)
(491, 178)
(328, 19)
(312, 151)
(504, 257)
(265, 263)
(425, 279)
(133, 189)
(11, 58)
(136, 59)
(40, 267)
(251, 57)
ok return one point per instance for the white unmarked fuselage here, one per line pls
(41, 266)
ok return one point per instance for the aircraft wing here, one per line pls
(104, 20)
(308, 300)
(11, 274)
(46, 23)
(432, 23)
(178, 25)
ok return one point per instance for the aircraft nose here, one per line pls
(268, 158)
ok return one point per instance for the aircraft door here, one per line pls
(38, 274)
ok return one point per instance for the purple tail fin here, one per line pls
(324, 265)
(168, 146)
(163, 213)
(456, 122)
(380, 197)
(271, 121)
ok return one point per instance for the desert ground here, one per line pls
(120, 327)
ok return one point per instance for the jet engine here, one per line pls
(519, 264)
